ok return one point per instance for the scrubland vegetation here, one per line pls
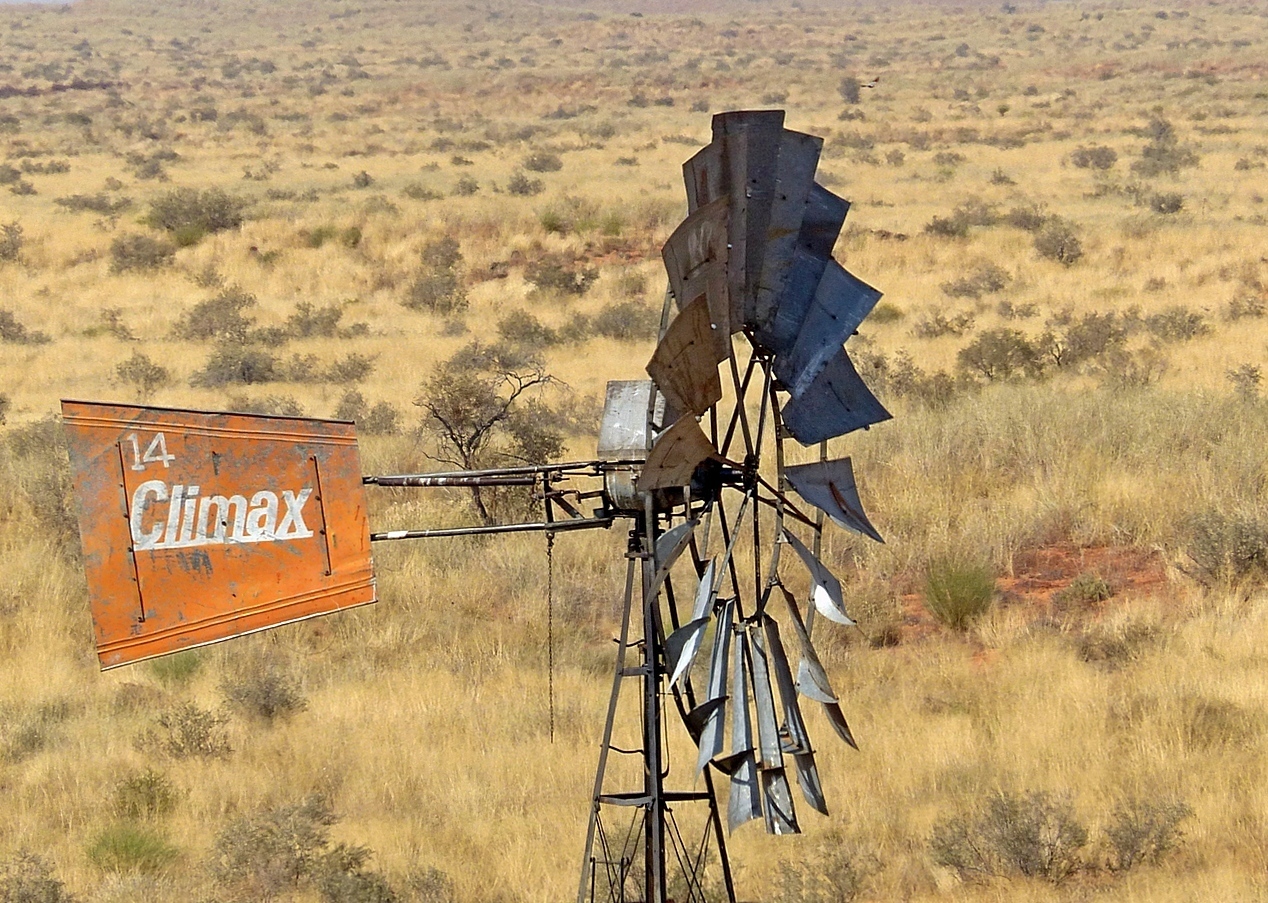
(1059, 686)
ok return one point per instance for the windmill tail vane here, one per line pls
(750, 355)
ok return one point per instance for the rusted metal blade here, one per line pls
(711, 728)
(744, 804)
(827, 597)
(684, 365)
(840, 303)
(705, 177)
(750, 148)
(683, 644)
(794, 177)
(830, 487)
(835, 403)
(675, 455)
(792, 732)
(808, 779)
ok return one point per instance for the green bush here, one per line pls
(1144, 831)
(10, 242)
(466, 187)
(129, 847)
(270, 405)
(556, 275)
(383, 419)
(17, 334)
(100, 203)
(142, 374)
(143, 795)
(187, 731)
(521, 185)
(1085, 589)
(543, 161)
(221, 317)
(259, 687)
(626, 321)
(234, 364)
(1057, 240)
(1226, 547)
(1177, 324)
(958, 592)
(519, 327)
(939, 324)
(176, 669)
(999, 354)
(1164, 154)
(1096, 156)
(1075, 342)
(26, 878)
(309, 321)
(437, 286)
(188, 214)
(982, 280)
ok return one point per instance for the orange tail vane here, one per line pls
(198, 527)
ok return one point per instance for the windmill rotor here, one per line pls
(235, 523)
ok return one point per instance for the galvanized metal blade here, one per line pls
(793, 731)
(684, 643)
(808, 780)
(835, 403)
(813, 682)
(750, 141)
(669, 548)
(697, 718)
(812, 679)
(745, 804)
(837, 719)
(675, 455)
(781, 818)
(830, 487)
(841, 301)
(768, 744)
(684, 365)
(827, 597)
(794, 177)
(699, 240)
(821, 226)
(711, 730)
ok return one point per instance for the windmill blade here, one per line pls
(824, 216)
(840, 302)
(830, 487)
(750, 152)
(669, 547)
(808, 780)
(697, 718)
(793, 730)
(827, 596)
(682, 645)
(684, 365)
(675, 455)
(780, 816)
(794, 177)
(711, 729)
(835, 403)
(696, 262)
(705, 177)
(812, 679)
(745, 804)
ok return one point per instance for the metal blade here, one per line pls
(683, 644)
(793, 731)
(837, 717)
(830, 486)
(827, 596)
(684, 365)
(794, 176)
(840, 303)
(705, 176)
(711, 730)
(675, 455)
(825, 215)
(813, 682)
(750, 140)
(812, 679)
(808, 779)
(745, 803)
(780, 816)
(835, 403)
(764, 700)
(697, 718)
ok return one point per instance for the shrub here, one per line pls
(1056, 240)
(627, 321)
(268, 405)
(983, 280)
(100, 203)
(466, 187)
(543, 161)
(1123, 369)
(1177, 324)
(362, 180)
(1245, 381)
(1085, 589)
(16, 333)
(1167, 203)
(519, 327)
(521, 185)
(26, 878)
(234, 364)
(555, 275)
(145, 794)
(1164, 153)
(1033, 834)
(416, 191)
(187, 731)
(1226, 547)
(5, 404)
(1115, 646)
(10, 242)
(1000, 353)
(139, 252)
(308, 321)
(939, 324)
(350, 369)
(220, 317)
(130, 847)
(1144, 831)
(958, 592)
(437, 287)
(142, 374)
(1028, 219)
(380, 420)
(1245, 306)
(1091, 336)
(947, 227)
(259, 687)
(1095, 157)
(188, 214)
(176, 669)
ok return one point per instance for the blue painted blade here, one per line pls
(830, 487)
(794, 178)
(820, 226)
(835, 403)
(840, 303)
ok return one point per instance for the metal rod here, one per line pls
(557, 526)
(593, 468)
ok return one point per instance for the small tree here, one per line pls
(143, 374)
(482, 407)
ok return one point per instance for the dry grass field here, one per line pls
(306, 208)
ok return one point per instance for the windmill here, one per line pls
(199, 527)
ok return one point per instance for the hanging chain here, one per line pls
(550, 629)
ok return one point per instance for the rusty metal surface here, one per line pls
(794, 177)
(197, 527)
(675, 455)
(684, 365)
